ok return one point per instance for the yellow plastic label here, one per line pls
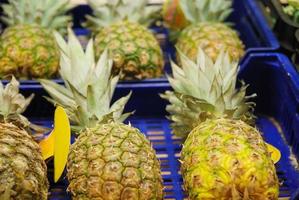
(275, 153)
(57, 144)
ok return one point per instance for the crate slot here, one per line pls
(154, 132)
(156, 138)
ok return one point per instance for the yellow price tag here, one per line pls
(275, 153)
(57, 144)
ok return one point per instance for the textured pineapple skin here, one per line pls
(23, 172)
(28, 51)
(211, 37)
(134, 49)
(227, 159)
(113, 162)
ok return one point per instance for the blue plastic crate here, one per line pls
(252, 26)
(283, 25)
(276, 83)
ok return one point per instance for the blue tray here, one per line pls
(276, 83)
(252, 26)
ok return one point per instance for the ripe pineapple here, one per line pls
(207, 29)
(23, 170)
(120, 26)
(222, 157)
(28, 48)
(109, 160)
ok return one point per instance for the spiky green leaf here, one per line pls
(205, 90)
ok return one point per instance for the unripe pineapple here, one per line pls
(121, 26)
(208, 30)
(23, 170)
(109, 160)
(28, 48)
(222, 157)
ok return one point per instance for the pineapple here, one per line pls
(109, 160)
(207, 29)
(223, 157)
(28, 48)
(23, 170)
(120, 26)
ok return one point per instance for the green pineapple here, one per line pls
(222, 157)
(120, 26)
(28, 48)
(23, 170)
(208, 30)
(109, 160)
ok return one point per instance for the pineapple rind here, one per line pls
(208, 29)
(28, 47)
(23, 170)
(28, 51)
(113, 161)
(212, 37)
(228, 159)
(134, 49)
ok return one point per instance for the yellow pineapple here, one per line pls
(208, 30)
(121, 26)
(109, 160)
(23, 170)
(222, 157)
(28, 48)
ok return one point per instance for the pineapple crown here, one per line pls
(205, 90)
(107, 12)
(197, 11)
(13, 104)
(46, 13)
(88, 86)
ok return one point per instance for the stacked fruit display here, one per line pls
(223, 155)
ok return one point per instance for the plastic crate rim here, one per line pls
(284, 61)
(263, 25)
